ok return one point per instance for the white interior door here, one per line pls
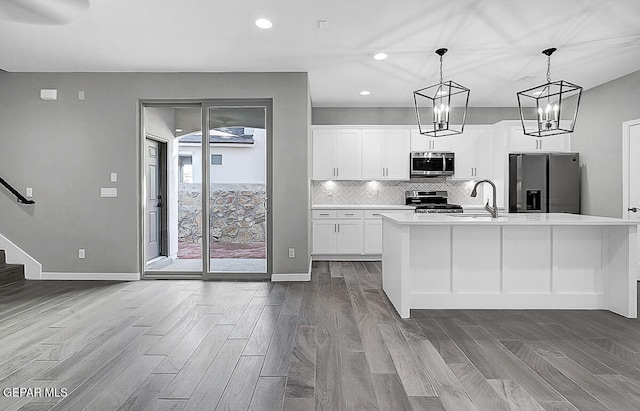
(634, 172)
(633, 205)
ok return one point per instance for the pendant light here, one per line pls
(441, 109)
(551, 108)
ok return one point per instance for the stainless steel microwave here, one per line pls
(431, 164)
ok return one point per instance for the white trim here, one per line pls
(16, 255)
(347, 257)
(293, 276)
(91, 276)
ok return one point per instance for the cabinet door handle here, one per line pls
(324, 214)
(349, 214)
(338, 227)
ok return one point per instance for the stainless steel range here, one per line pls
(431, 202)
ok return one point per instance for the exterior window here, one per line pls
(185, 166)
(216, 159)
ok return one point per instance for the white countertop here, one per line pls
(504, 219)
(361, 207)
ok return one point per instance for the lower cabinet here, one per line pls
(337, 232)
(342, 232)
(373, 236)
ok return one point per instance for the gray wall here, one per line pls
(402, 115)
(598, 139)
(66, 150)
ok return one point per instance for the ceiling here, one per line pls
(494, 45)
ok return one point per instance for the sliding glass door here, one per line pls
(216, 189)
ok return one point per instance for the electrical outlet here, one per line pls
(81, 253)
(292, 252)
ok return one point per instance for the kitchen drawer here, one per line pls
(318, 214)
(374, 214)
(349, 214)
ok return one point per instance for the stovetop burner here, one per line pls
(431, 202)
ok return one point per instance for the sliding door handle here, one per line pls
(634, 209)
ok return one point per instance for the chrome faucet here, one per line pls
(493, 210)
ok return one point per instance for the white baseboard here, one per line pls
(293, 276)
(16, 255)
(91, 276)
(346, 257)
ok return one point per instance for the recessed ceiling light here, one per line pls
(264, 24)
(380, 56)
(365, 92)
(178, 130)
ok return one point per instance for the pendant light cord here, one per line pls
(441, 70)
(548, 69)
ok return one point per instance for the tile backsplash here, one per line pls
(390, 192)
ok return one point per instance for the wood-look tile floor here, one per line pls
(333, 343)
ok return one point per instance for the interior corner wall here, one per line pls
(66, 149)
(598, 139)
(402, 115)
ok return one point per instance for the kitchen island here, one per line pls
(515, 261)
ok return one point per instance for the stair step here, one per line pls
(9, 273)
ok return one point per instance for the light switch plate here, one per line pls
(81, 95)
(108, 192)
(114, 177)
(29, 192)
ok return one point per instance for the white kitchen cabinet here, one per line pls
(385, 154)
(520, 142)
(354, 232)
(473, 150)
(349, 237)
(324, 237)
(337, 231)
(336, 154)
(421, 142)
(373, 236)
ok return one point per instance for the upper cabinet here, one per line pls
(360, 153)
(520, 142)
(473, 151)
(421, 142)
(336, 154)
(385, 154)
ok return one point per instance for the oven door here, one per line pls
(431, 164)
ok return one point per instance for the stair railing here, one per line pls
(21, 199)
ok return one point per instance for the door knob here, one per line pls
(634, 209)
(159, 205)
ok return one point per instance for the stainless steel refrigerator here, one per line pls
(544, 183)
